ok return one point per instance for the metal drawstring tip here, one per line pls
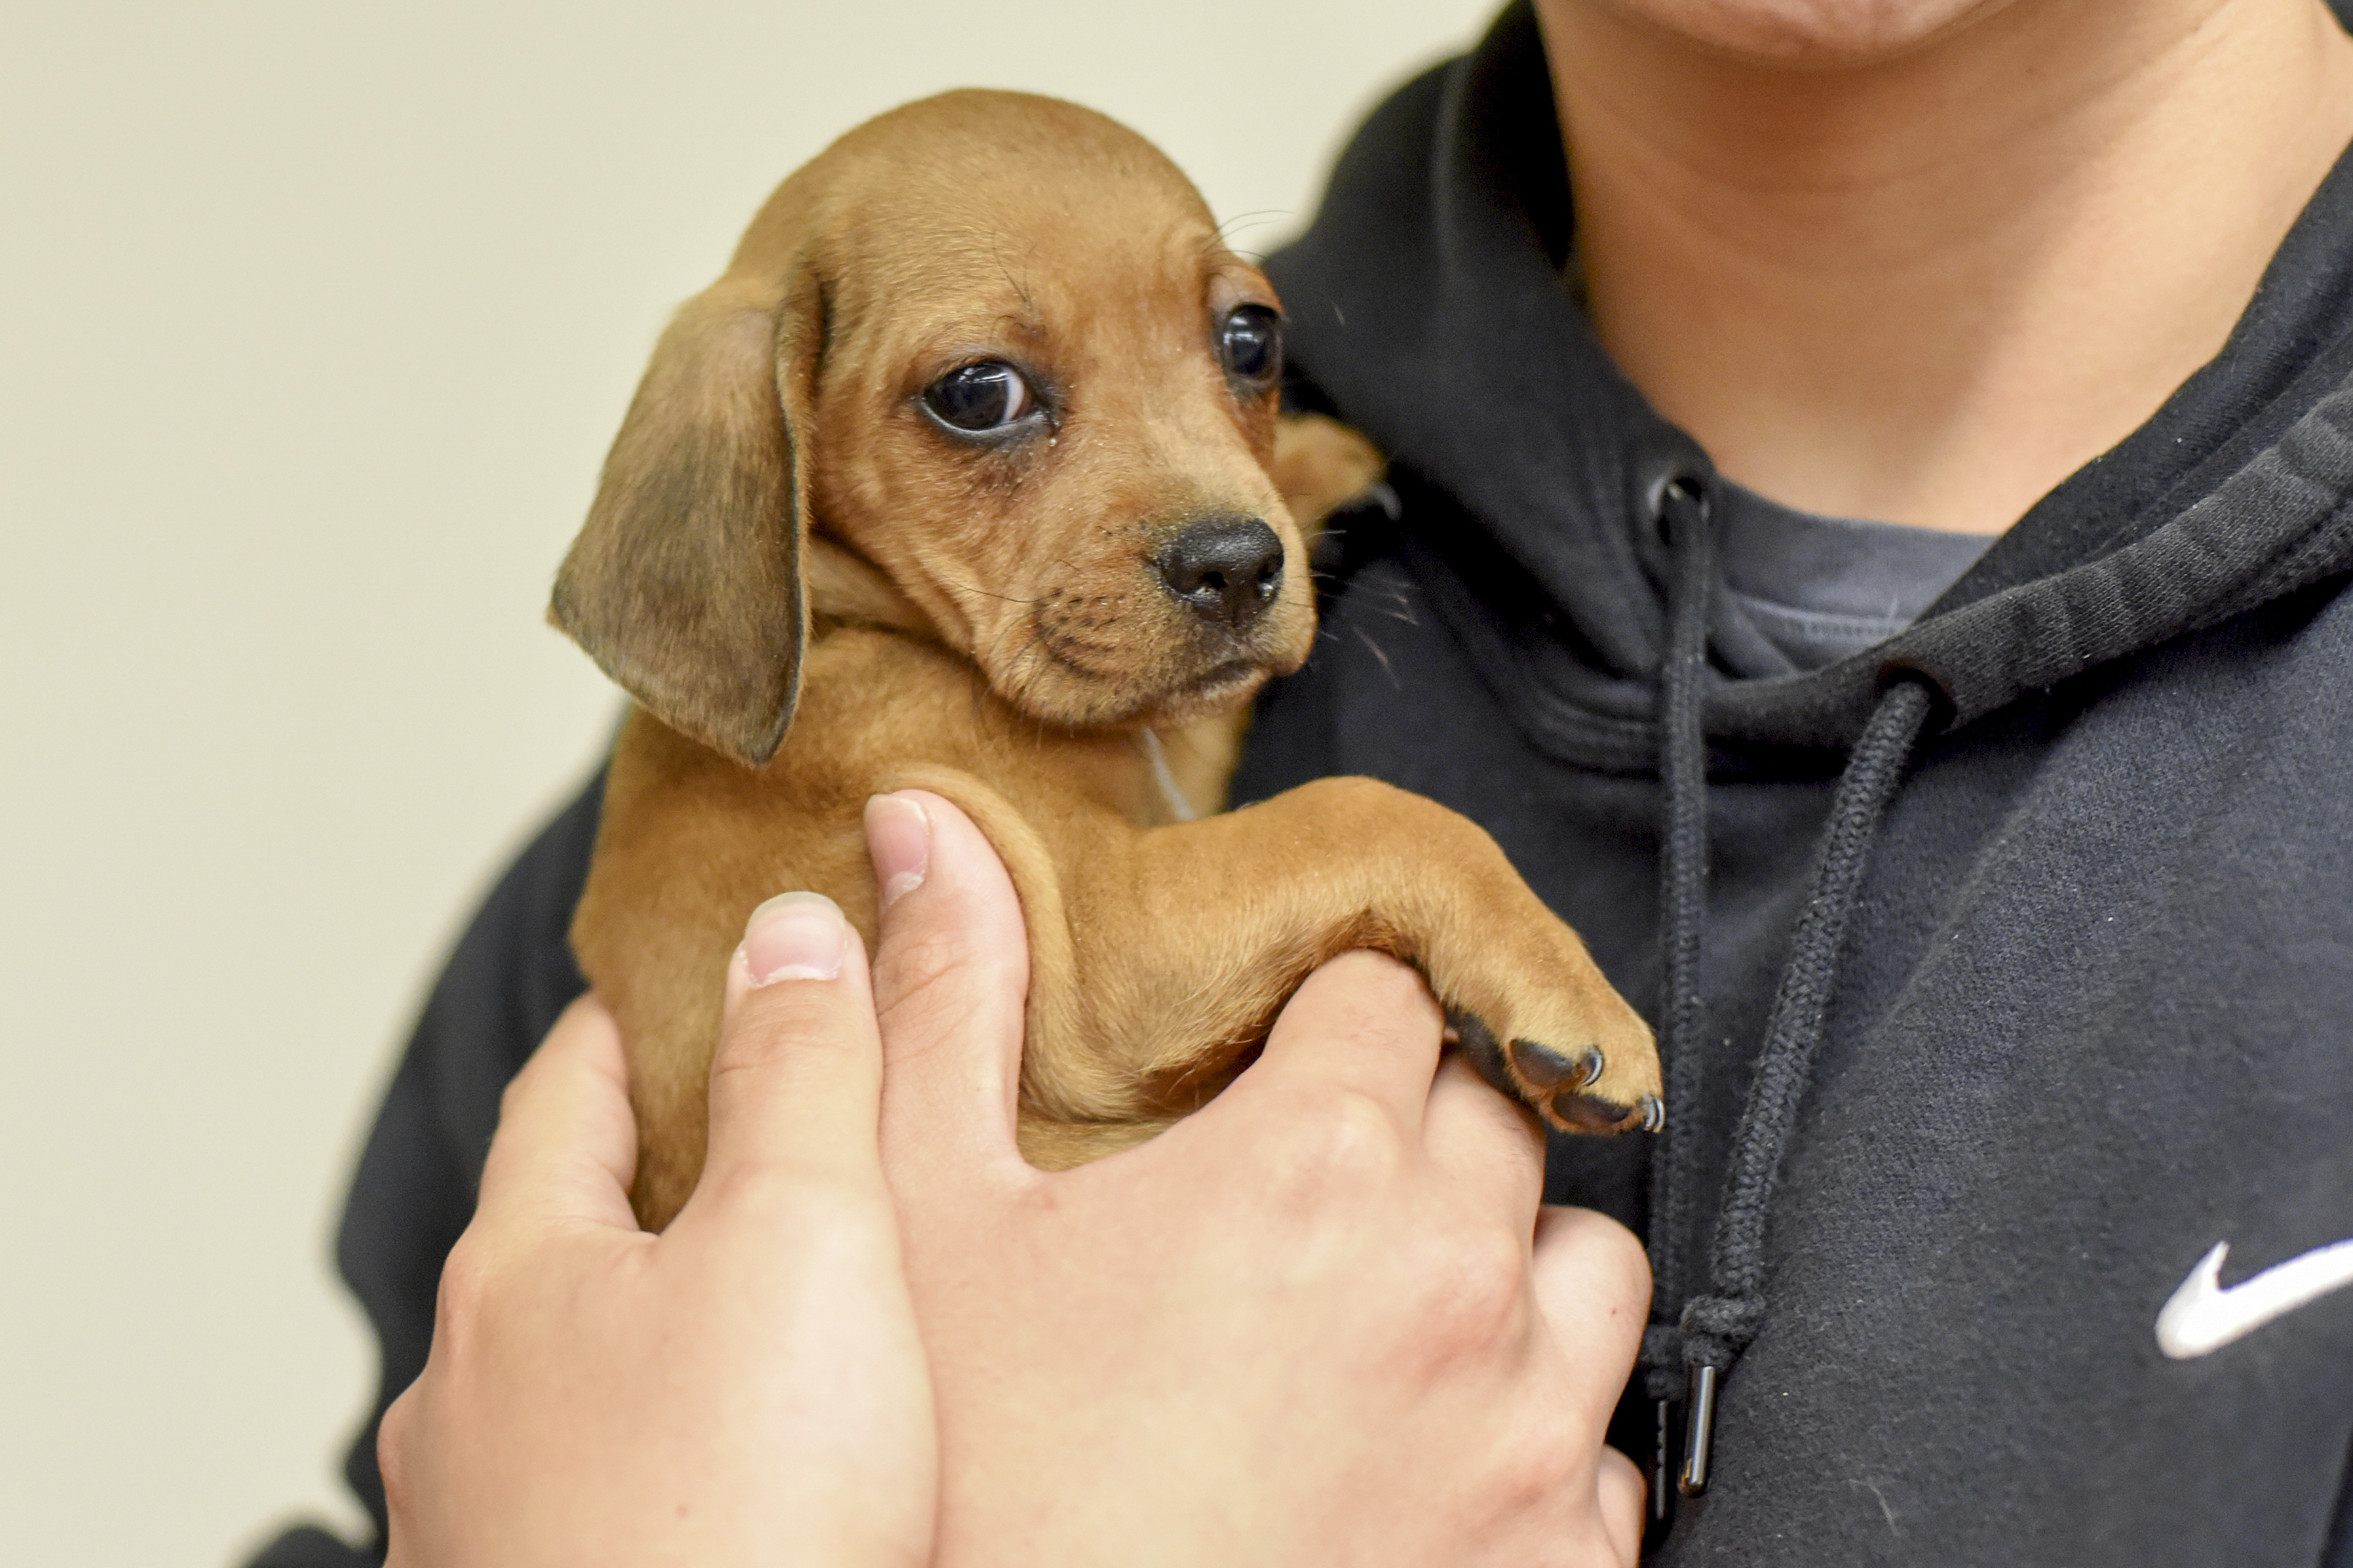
(1699, 1432)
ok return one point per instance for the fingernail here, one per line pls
(795, 936)
(899, 837)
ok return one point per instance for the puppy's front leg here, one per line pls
(1185, 940)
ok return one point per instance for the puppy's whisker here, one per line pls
(1020, 289)
(1262, 215)
(978, 592)
(1034, 649)
(996, 645)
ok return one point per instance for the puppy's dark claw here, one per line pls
(1591, 1113)
(1541, 1067)
(1555, 1082)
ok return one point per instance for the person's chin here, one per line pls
(1826, 33)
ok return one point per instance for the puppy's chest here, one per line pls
(874, 703)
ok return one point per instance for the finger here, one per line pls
(1486, 1142)
(1622, 1495)
(1593, 1286)
(950, 980)
(567, 1145)
(1363, 1021)
(795, 1083)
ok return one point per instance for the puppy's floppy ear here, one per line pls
(685, 583)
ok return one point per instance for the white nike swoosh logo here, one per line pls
(2203, 1316)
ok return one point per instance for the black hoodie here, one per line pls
(2077, 1007)
(2042, 911)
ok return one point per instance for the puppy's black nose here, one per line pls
(1229, 569)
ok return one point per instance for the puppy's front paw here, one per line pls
(1585, 1064)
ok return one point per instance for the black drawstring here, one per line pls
(1694, 1339)
(1717, 1327)
(1681, 509)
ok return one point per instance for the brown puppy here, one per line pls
(968, 471)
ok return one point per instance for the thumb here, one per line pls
(951, 978)
(795, 1079)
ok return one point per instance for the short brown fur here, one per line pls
(785, 540)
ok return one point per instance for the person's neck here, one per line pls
(1926, 289)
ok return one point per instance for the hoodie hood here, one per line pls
(1442, 325)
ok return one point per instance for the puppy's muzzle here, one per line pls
(1226, 569)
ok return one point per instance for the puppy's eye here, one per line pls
(982, 397)
(1249, 343)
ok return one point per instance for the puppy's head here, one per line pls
(991, 344)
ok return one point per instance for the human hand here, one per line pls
(747, 1387)
(1322, 1320)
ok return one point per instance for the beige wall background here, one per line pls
(314, 323)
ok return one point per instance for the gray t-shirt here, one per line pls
(1820, 589)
